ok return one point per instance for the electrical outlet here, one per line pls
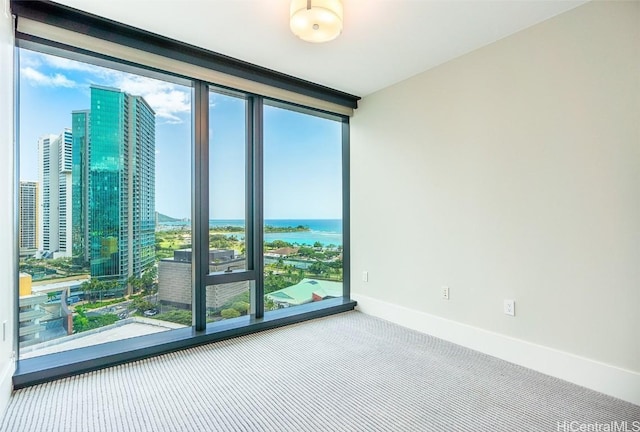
(365, 276)
(510, 307)
(445, 292)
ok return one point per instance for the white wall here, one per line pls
(512, 172)
(7, 184)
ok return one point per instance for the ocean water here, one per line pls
(325, 231)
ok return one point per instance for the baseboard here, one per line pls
(6, 387)
(611, 380)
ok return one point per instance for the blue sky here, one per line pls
(302, 152)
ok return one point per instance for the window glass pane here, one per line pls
(231, 300)
(227, 182)
(302, 207)
(105, 202)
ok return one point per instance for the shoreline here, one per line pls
(325, 231)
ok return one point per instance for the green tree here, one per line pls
(219, 241)
(270, 304)
(150, 279)
(306, 251)
(229, 313)
(108, 287)
(80, 320)
(275, 282)
(135, 283)
(92, 288)
(277, 244)
(240, 306)
(176, 316)
(141, 304)
(337, 264)
(318, 268)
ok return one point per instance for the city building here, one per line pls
(28, 211)
(31, 311)
(43, 308)
(55, 218)
(80, 126)
(306, 291)
(175, 282)
(114, 184)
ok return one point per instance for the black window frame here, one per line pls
(58, 365)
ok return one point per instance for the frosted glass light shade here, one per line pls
(316, 20)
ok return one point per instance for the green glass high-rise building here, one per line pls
(114, 184)
(80, 185)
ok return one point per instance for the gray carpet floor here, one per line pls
(349, 372)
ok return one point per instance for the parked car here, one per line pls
(150, 312)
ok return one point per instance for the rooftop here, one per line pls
(304, 291)
(127, 328)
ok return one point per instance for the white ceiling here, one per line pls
(383, 41)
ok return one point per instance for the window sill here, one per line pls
(54, 366)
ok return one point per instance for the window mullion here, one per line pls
(346, 215)
(255, 182)
(200, 204)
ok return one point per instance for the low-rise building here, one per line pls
(43, 305)
(282, 252)
(306, 291)
(31, 311)
(175, 286)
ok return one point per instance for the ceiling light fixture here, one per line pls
(316, 20)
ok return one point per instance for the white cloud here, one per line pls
(168, 104)
(29, 58)
(170, 101)
(72, 65)
(37, 78)
(166, 99)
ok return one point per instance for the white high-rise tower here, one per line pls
(55, 218)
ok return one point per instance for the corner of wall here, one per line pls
(8, 258)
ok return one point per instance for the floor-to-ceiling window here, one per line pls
(303, 248)
(227, 222)
(105, 204)
(163, 208)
